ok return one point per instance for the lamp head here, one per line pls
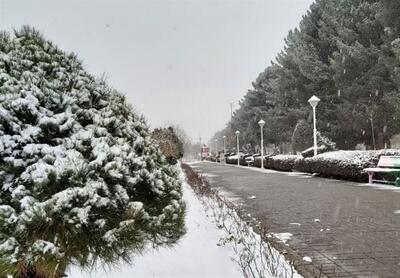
(237, 132)
(313, 101)
(261, 123)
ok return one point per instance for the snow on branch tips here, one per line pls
(81, 177)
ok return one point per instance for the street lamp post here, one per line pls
(224, 137)
(262, 123)
(314, 102)
(237, 146)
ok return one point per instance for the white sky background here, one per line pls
(178, 62)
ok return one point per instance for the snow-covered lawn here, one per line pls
(195, 255)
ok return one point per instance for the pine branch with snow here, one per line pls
(81, 179)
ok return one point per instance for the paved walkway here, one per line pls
(348, 229)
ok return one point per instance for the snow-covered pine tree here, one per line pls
(169, 143)
(80, 177)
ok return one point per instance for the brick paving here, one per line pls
(357, 234)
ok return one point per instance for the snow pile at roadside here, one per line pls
(287, 157)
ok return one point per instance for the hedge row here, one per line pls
(346, 165)
(310, 151)
(283, 163)
(233, 160)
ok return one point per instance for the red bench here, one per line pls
(386, 164)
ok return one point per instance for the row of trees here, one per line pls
(347, 52)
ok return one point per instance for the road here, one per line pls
(348, 229)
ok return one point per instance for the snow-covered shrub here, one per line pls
(326, 141)
(245, 159)
(347, 165)
(257, 161)
(81, 179)
(277, 162)
(310, 151)
(281, 162)
(324, 145)
(232, 159)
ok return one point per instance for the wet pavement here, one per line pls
(347, 229)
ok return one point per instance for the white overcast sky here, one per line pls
(178, 62)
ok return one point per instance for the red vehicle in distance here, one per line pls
(205, 152)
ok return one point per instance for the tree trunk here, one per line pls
(31, 272)
(388, 143)
(380, 142)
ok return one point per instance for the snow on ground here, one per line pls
(195, 255)
(230, 196)
(284, 237)
(191, 162)
(256, 256)
(379, 186)
(210, 176)
(270, 171)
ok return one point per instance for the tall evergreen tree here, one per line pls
(347, 52)
(81, 179)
